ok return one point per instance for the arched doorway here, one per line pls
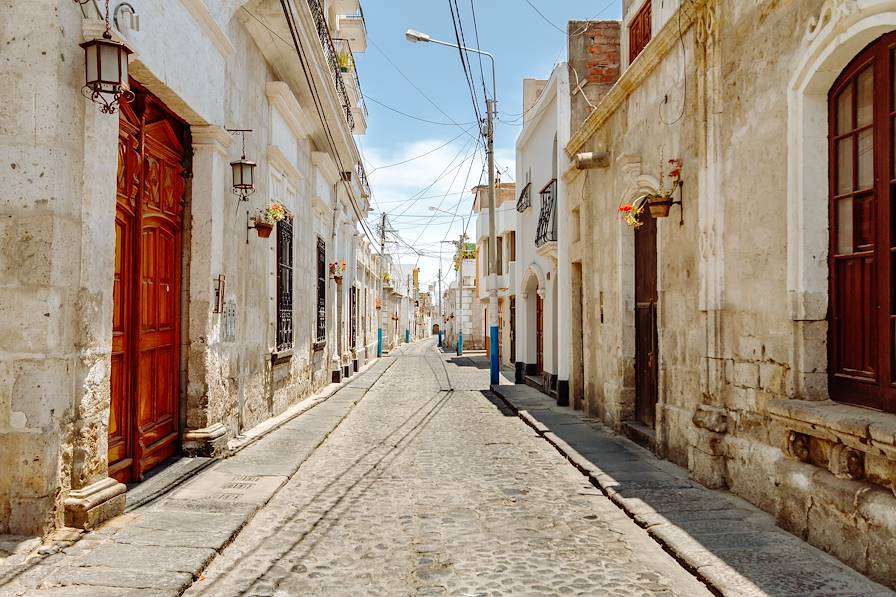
(862, 314)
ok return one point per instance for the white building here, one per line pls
(139, 317)
(542, 305)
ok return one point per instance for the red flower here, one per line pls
(625, 209)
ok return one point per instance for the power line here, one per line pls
(417, 157)
(458, 27)
(412, 117)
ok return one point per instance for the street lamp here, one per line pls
(415, 37)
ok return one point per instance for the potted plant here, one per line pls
(658, 203)
(379, 304)
(386, 277)
(337, 270)
(344, 60)
(265, 219)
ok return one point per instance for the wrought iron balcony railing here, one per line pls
(344, 48)
(547, 219)
(362, 179)
(326, 42)
(525, 200)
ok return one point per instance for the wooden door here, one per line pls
(862, 308)
(539, 334)
(353, 315)
(144, 417)
(646, 357)
(513, 329)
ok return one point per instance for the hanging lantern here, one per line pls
(243, 177)
(106, 71)
(243, 170)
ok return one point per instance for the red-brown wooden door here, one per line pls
(862, 312)
(144, 414)
(539, 334)
(646, 346)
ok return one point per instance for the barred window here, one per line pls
(321, 290)
(284, 284)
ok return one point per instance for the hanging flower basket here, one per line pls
(263, 229)
(379, 304)
(658, 204)
(265, 219)
(337, 270)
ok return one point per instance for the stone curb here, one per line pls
(688, 555)
(706, 566)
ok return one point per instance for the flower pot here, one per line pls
(343, 69)
(338, 279)
(263, 229)
(660, 206)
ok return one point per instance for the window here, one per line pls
(284, 284)
(499, 258)
(321, 290)
(639, 32)
(511, 246)
(862, 313)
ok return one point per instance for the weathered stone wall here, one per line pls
(729, 342)
(57, 246)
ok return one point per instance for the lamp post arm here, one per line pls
(475, 51)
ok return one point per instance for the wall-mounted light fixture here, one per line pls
(106, 70)
(243, 170)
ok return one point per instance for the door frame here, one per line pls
(130, 468)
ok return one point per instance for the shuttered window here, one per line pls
(639, 32)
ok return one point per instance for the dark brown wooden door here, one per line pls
(513, 329)
(144, 421)
(862, 312)
(539, 334)
(646, 361)
(353, 312)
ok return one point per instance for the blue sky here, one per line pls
(525, 45)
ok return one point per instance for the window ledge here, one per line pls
(281, 356)
(859, 428)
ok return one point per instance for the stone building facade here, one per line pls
(748, 334)
(139, 317)
(505, 272)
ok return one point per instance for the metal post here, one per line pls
(494, 347)
(379, 316)
(460, 296)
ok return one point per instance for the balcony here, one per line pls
(525, 200)
(331, 57)
(353, 28)
(346, 63)
(546, 232)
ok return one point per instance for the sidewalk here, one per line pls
(161, 547)
(729, 544)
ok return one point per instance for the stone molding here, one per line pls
(203, 17)
(284, 101)
(206, 441)
(278, 160)
(636, 73)
(85, 508)
(218, 138)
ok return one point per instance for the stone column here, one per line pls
(204, 431)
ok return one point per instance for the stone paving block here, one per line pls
(146, 557)
(95, 591)
(122, 578)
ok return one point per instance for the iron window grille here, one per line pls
(284, 284)
(321, 290)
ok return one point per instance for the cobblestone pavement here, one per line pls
(430, 486)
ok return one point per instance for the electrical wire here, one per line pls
(412, 117)
(455, 18)
(417, 157)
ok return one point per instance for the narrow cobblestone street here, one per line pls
(430, 486)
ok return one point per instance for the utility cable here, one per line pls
(417, 157)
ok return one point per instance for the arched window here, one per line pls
(862, 212)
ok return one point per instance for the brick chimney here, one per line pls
(594, 64)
